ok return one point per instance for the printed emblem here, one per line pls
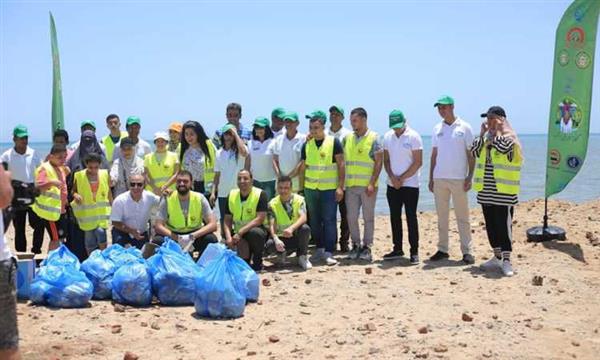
(583, 60)
(322, 154)
(568, 116)
(248, 211)
(563, 58)
(575, 38)
(574, 162)
(554, 157)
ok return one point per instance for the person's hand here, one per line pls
(397, 182)
(279, 245)
(212, 199)
(78, 199)
(229, 242)
(484, 128)
(467, 184)
(431, 185)
(370, 190)
(339, 194)
(163, 189)
(167, 192)
(236, 239)
(308, 137)
(288, 233)
(138, 236)
(56, 183)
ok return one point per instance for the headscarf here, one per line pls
(89, 145)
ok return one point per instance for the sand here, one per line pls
(388, 310)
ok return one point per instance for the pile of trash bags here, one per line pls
(60, 282)
(219, 285)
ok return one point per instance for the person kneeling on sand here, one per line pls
(245, 219)
(287, 224)
(186, 217)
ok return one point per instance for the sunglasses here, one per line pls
(134, 184)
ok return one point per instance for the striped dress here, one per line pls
(489, 194)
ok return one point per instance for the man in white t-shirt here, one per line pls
(287, 150)
(336, 116)
(9, 334)
(277, 121)
(131, 212)
(450, 175)
(402, 160)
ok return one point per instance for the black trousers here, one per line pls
(252, 246)
(498, 225)
(344, 230)
(19, 221)
(200, 244)
(407, 197)
(297, 243)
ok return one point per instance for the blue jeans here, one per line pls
(94, 238)
(267, 186)
(322, 209)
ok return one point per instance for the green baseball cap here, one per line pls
(397, 119)
(317, 114)
(20, 131)
(88, 122)
(226, 128)
(132, 120)
(292, 116)
(278, 112)
(337, 108)
(262, 121)
(444, 100)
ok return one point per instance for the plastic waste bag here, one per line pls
(121, 256)
(99, 269)
(174, 276)
(247, 277)
(211, 253)
(61, 286)
(61, 257)
(218, 293)
(132, 284)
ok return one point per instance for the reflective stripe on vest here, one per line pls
(507, 174)
(48, 204)
(243, 212)
(359, 165)
(109, 145)
(160, 172)
(321, 172)
(282, 220)
(177, 221)
(92, 213)
(209, 166)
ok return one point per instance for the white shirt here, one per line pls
(22, 166)
(452, 142)
(289, 152)
(228, 167)
(142, 148)
(134, 214)
(261, 160)
(340, 134)
(566, 128)
(5, 253)
(400, 150)
(279, 132)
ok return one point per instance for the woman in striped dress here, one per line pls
(498, 156)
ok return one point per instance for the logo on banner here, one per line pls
(575, 37)
(563, 58)
(583, 60)
(574, 162)
(554, 157)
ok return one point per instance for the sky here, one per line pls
(170, 61)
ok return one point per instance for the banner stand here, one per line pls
(545, 232)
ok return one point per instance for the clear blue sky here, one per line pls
(181, 60)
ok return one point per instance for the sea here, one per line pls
(584, 187)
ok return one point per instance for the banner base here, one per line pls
(541, 233)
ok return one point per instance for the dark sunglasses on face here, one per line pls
(134, 184)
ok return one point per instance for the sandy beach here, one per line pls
(390, 310)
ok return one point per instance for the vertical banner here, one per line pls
(58, 117)
(571, 101)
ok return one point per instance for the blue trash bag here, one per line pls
(218, 294)
(173, 277)
(61, 286)
(121, 256)
(247, 277)
(99, 269)
(132, 284)
(61, 257)
(212, 252)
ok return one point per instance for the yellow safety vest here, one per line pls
(48, 204)
(359, 165)
(506, 173)
(245, 212)
(176, 221)
(92, 213)
(161, 172)
(209, 166)
(321, 172)
(109, 145)
(282, 220)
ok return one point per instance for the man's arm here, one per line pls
(276, 166)
(432, 166)
(209, 227)
(6, 190)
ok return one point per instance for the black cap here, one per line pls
(494, 110)
(126, 142)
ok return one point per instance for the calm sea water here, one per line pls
(585, 186)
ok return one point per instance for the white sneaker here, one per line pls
(304, 263)
(318, 255)
(329, 259)
(507, 268)
(492, 264)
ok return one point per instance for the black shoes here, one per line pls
(394, 255)
(468, 259)
(439, 255)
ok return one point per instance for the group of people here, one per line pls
(276, 188)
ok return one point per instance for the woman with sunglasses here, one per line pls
(261, 157)
(197, 156)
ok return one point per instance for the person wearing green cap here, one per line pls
(86, 125)
(402, 160)
(22, 161)
(277, 122)
(233, 112)
(286, 150)
(260, 160)
(133, 127)
(450, 174)
(338, 131)
(322, 162)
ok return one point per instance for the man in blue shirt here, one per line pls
(234, 114)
